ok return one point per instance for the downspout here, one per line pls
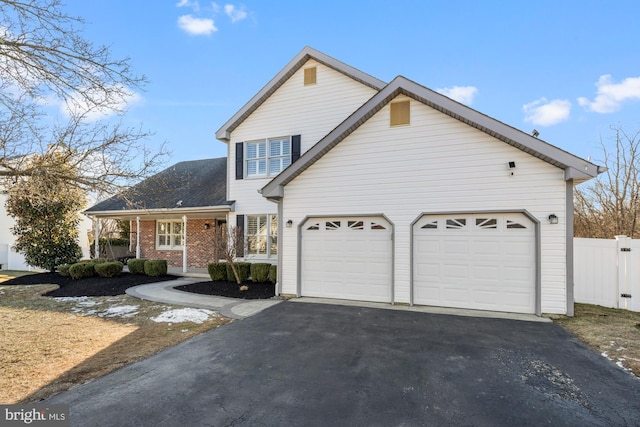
(137, 237)
(280, 236)
(184, 244)
(569, 248)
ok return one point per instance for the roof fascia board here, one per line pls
(224, 133)
(163, 211)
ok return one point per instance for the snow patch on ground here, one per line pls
(88, 306)
(82, 301)
(195, 315)
(120, 311)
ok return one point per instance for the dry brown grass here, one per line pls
(614, 333)
(48, 345)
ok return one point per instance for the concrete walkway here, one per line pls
(229, 307)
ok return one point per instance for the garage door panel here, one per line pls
(347, 258)
(487, 273)
(455, 271)
(481, 261)
(455, 247)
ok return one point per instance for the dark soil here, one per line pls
(102, 286)
(90, 287)
(258, 290)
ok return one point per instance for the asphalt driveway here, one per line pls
(300, 364)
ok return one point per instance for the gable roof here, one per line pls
(294, 65)
(575, 168)
(181, 187)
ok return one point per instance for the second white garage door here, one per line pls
(480, 261)
(347, 258)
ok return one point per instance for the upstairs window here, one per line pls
(267, 157)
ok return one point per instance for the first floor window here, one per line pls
(169, 234)
(262, 235)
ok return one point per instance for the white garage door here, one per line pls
(481, 261)
(347, 258)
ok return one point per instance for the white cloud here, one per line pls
(610, 96)
(196, 26)
(543, 112)
(191, 4)
(120, 99)
(462, 94)
(234, 13)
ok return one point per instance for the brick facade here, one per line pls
(199, 243)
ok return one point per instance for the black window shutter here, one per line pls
(239, 160)
(240, 225)
(295, 148)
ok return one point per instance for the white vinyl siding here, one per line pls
(436, 165)
(294, 109)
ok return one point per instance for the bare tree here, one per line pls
(228, 244)
(609, 205)
(44, 60)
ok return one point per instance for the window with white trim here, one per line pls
(262, 235)
(267, 157)
(169, 234)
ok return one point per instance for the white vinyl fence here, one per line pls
(607, 272)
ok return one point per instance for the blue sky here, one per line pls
(570, 69)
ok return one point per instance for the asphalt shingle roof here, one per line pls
(196, 183)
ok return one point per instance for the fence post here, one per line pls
(622, 279)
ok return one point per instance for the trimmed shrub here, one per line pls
(136, 265)
(63, 270)
(109, 269)
(260, 272)
(217, 271)
(155, 267)
(273, 274)
(82, 270)
(244, 269)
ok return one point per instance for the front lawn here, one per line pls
(48, 344)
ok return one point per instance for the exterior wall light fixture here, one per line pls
(553, 219)
(207, 226)
(289, 224)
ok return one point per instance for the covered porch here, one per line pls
(184, 237)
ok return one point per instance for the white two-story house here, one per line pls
(390, 192)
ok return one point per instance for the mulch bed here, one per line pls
(102, 286)
(89, 287)
(257, 290)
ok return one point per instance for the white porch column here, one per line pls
(184, 244)
(96, 234)
(137, 237)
